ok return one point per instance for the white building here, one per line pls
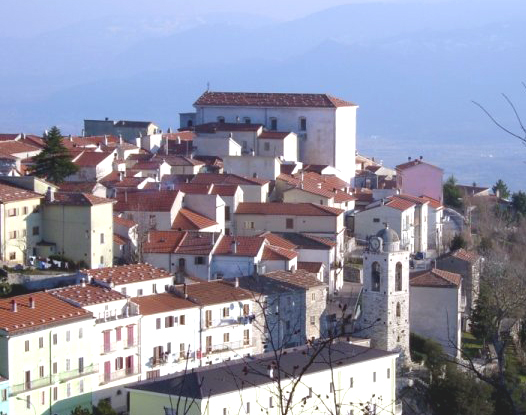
(359, 379)
(254, 189)
(326, 126)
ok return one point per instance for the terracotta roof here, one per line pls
(48, 310)
(414, 163)
(300, 278)
(91, 158)
(224, 189)
(287, 168)
(126, 274)
(77, 199)
(314, 267)
(85, 187)
(274, 135)
(128, 223)
(245, 245)
(304, 241)
(89, 294)
(313, 189)
(276, 240)
(174, 160)
(435, 278)
(275, 253)
(191, 188)
(212, 127)
(342, 197)
(161, 303)
(435, 204)
(147, 165)
(216, 292)
(468, 256)
(399, 203)
(182, 135)
(217, 178)
(15, 147)
(262, 99)
(148, 201)
(9, 137)
(14, 194)
(188, 220)
(112, 180)
(120, 240)
(197, 243)
(33, 140)
(290, 209)
(163, 241)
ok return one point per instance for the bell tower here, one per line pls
(385, 297)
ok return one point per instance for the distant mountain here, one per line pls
(412, 68)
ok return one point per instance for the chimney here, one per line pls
(14, 308)
(421, 157)
(159, 186)
(148, 237)
(70, 137)
(178, 140)
(106, 119)
(120, 138)
(31, 302)
(271, 372)
(126, 196)
(169, 130)
(185, 291)
(50, 195)
(319, 185)
(234, 247)
(105, 140)
(255, 271)
(166, 146)
(409, 158)
(121, 176)
(82, 282)
(236, 282)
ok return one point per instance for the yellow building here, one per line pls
(20, 223)
(45, 354)
(80, 226)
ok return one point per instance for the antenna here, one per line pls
(208, 86)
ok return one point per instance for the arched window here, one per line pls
(398, 277)
(398, 310)
(375, 277)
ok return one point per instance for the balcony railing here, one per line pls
(228, 321)
(30, 385)
(72, 374)
(223, 347)
(118, 374)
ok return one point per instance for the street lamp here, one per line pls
(18, 398)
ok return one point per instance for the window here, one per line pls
(289, 223)
(375, 277)
(312, 320)
(119, 363)
(208, 318)
(374, 376)
(388, 373)
(157, 323)
(351, 383)
(225, 411)
(68, 336)
(25, 210)
(12, 212)
(208, 344)
(55, 368)
(55, 339)
(169, 347)
(12, 234)
(303, 124)
(313, 296)
(247, 120)
(68, 389)
(68, 365)
(123, 291)
(376, 220)
(81, 386)
(28, 402)
(266, 146)
(226, 312)
(273, 123)
(246, 337)
(310, 393)
(36, 230)
(182, 320)
(101, 260)
(398, 277)
(246, 309)
(139, 292)
(118, 334)
(169, 321)
(40, 342)
(199, 260)
(227, 212)
(12, 256)
(270, 403)
(398, 312)
(26, 345)
(248, 408)
(3, 395)
(81, 333)
(55, 393)
(331, 387)
(226, 337)
(182, 351)
(41, 371)
(249, 225)
(152, 374)
(81, 365)
(221, 120)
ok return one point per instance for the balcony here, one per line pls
(118, 374)
(30, 385)
(228, 321)
(72, 374)
(224, 347)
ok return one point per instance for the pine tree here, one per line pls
(53, 163)
(502, 188)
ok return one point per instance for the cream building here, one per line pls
(358, 379)
(45, 355)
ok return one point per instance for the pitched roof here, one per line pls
(126, 274)
(275, 253)
(161, 303)
(9, 137)
(85, 187)
(211, 380)
(468, 256)
(128, 223)
(212, 127)
(308, 266)
(277, 240)
(181, 135)
(217, 178)
(399, 203)
(163, 241)
(89, 294)
(14, 194)
(216, 292)
(148, 201)
(435, 204)
(91, 158)
(300, 278)
(112, 180)
(119, 240)
(263, 99)
(188, 220)
(16, 147)
(48, 311)
(289, 209)
(198, 243)
(77, 199)
(245, 245)
(305, 241)
(435, 278)
(224, 189)
(413, 163)
(274, 135)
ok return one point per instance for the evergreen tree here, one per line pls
(457, 242)
(53, 163)
(502, 188)
(452, 196)
(518, 201)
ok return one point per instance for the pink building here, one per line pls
(418, 178)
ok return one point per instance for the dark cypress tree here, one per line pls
(54, 161)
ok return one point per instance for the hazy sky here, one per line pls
(27, 17)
